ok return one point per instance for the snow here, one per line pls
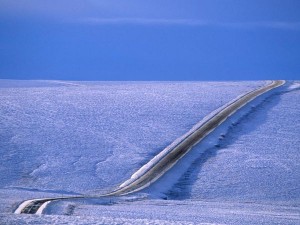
(175, 143)
(62, 138)
(70, 138)
(257, 161)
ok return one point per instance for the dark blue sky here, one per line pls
(150, 39)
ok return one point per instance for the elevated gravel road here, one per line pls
(163, 162)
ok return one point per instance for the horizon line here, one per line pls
(190, 22)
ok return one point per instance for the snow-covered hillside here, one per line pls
(59, 138)
(258, 161)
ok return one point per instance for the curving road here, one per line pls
(163, 162)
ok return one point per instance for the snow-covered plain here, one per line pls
(59, 138)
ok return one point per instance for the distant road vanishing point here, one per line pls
(165, 160)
